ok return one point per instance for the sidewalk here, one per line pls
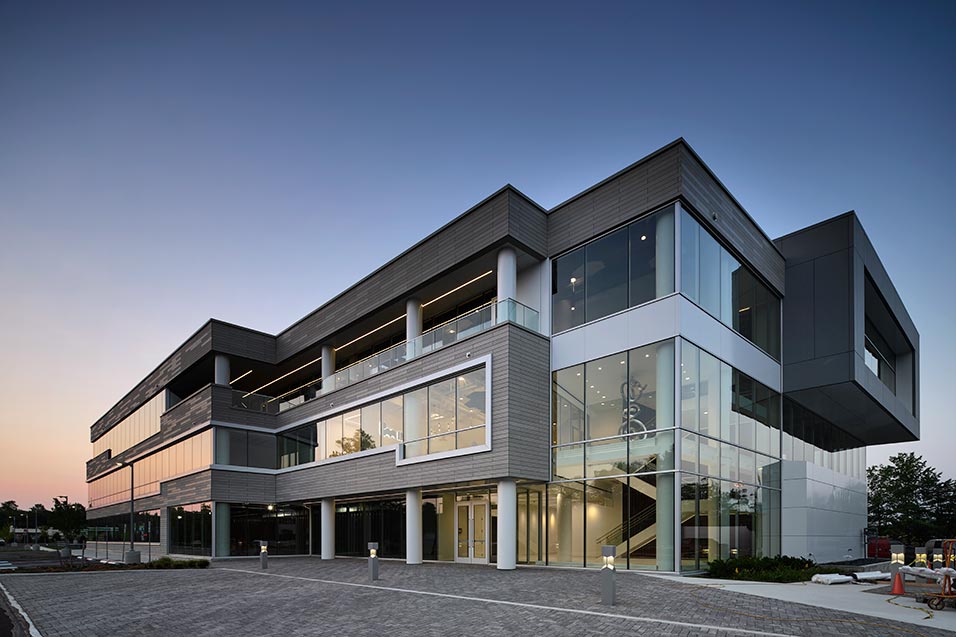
(852, 598)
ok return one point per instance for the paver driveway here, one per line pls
(306, 596)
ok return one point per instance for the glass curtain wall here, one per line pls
(183, 457)
(613, 462)
(115, 528)
(622, 269)
(240, 527)
(135, 428)
(729, 462)
(443, 416)
(190, 529)
(728, 290)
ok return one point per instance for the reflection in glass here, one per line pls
(568, 405)
(607, 275)
(567, 290)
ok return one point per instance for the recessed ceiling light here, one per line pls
(643, 237)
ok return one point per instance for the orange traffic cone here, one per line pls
(898, 585)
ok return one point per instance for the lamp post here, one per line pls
(132, 555)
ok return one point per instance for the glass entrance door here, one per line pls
(471, 519)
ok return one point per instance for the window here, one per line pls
(626, 267)
(568, 405)
(441, 416)
(371, 426)
(190, 529)
(607, 275)
(392, 421)
(729, 291)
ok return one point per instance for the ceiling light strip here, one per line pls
(355, 340)
(467, 283)
(256, 391)
(238, 378)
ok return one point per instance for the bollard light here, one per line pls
(608, 592)
(373, 561)
(921, 556)
(263, 554)
(897, 552)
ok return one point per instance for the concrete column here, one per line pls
(413, 526)
(507, 273)
(222, 370)
(413, 326)
(328, 361)
(664, 255)
(413, 319)
(328, 529)
(507, 525)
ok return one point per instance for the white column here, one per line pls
(328, 529)
(413, 526)
(413, 319)
(664, 261)
(222, 370)
(507, 273)
(328, 361)
(507, 525)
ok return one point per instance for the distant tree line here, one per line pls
(909, 500)
(66, 520)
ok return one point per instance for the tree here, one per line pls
(8, 514)
(68, 518)
(909, 501)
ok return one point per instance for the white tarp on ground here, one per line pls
(831, 578)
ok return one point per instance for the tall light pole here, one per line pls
(132, 556)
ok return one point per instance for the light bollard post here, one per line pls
(896, 558)
(263, 554)
(608, 589)
(373, 561)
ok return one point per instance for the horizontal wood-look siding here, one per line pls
(632, 192)
(707, 197)
(195, 348)
(486, 225)
(520, 442)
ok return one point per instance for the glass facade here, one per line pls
(622, 269)
(445, 415)
(728, 290)
(811, 438)
(240, 527)
(190, 529)
(135, 428)
(358, 523)
(613, 464)
(730, 462)
(615, 477)
(183, 457)
(115, 528)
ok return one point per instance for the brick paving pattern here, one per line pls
(235, 598)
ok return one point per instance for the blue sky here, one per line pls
(162, 164)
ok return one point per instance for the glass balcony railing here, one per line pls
(458, 328)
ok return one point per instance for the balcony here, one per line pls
(458, 328)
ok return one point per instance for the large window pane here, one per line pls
(689, 256)
(651, 452)
(471, 399)
(262, 450)
(333, 436)
(567, 291)
(606, 458)
(372, 426)
(650, 375)
(709, 395)
(441, 415)
(652, 257)
(566, 524)
(568, 405)
(606, 380)
(568, 462)
(416, 421)
(392, 421)
(689, 378)
(606, 518)
(607, 275)
(709, 279)
(351, 431)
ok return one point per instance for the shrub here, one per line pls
(168, 562)
(766, 569)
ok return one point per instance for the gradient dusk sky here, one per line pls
(317, 141)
